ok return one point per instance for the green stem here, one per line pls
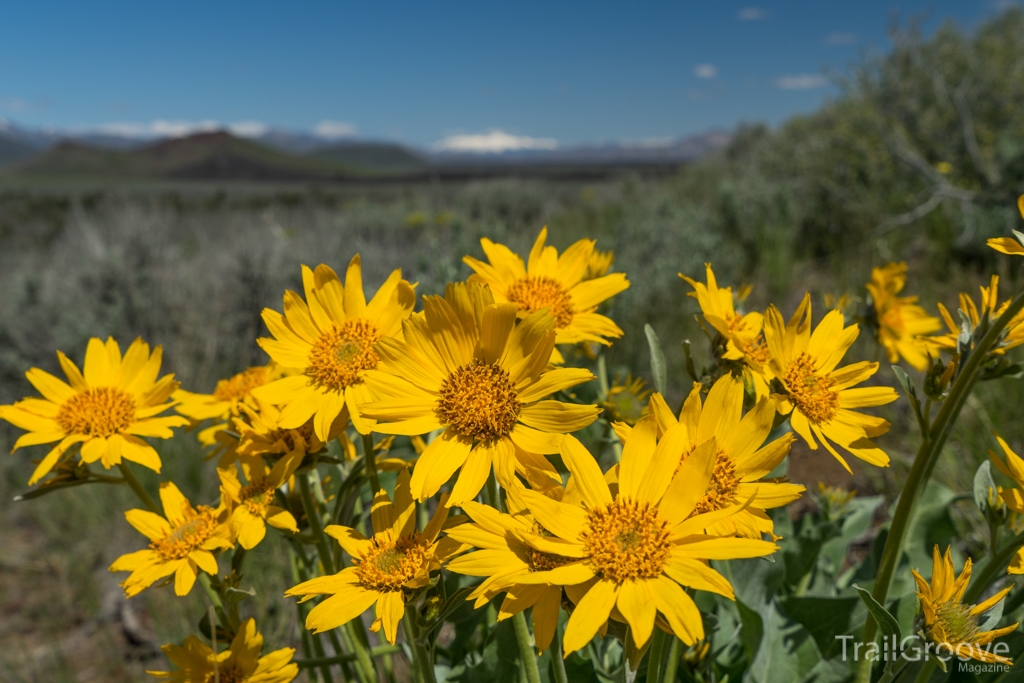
(656, 656)
(493, 495)
(924, 463)
(526, 652)
(674, 653)
(926, 671)
(370, 460)
(129, 477)
(422, 661)
(557, 661)
(341, 659)
(367, 670)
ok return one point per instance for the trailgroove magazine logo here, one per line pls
(914, 648)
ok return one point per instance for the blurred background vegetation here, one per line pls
(920, 159)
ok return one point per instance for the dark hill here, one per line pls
(206, 156)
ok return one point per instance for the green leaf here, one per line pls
(658, 369)
(886, 621)
(905, 382)
(993, 616)
(983, 483)
(825, 618)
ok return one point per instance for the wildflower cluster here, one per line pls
(412, 460)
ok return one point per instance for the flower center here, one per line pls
(539, 561)
(479, 400)
(721, 491)
(812, 393)
(197, 528)
(342, 353)
(101, 411)
(958, 625)
(756, 350)
(626, 540)
(891, 319)
(240, 385)
(230, 675)
(256, 496)
(387, 567)
(533, 292)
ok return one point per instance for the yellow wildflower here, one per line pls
(106, 409)
(1009, 245)
(898, 320)
(181, 543)
(330, 337)
(1012, 467)
(950, 623)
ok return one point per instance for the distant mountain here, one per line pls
(12, 150)
(205, 156)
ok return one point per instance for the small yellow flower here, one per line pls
(466, 367)
(503, 557)
(552, 282)
(898, 320)
(225, 402)
(181, 543)
(625, 400)
(240, 663)
(329, 339)
(742, 458)
(1009, 245)
(741, 334)
(990, 309)
(251, 507)
(1012, 467)
(950, 623)
(106, 409)
(631, 548)
(817, 396)
(396, 562)
(262, 434)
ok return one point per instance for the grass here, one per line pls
(191, 268)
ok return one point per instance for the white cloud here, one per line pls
(493, 142)
(180, 129)
(752, 14)
(705, 71)
(248, 129)
(841, 39)
(333, 130)
(802, 82)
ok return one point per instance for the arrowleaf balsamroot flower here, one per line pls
(631, 548)
(990, 309)
(240, 663)
(251, 507)
(951, 623)
(742, 460)
(744, 341)
(395, 560)
(181, 543)
(106, 409)
(817, 396)
(225, 401)
(504, 556)
(553, 282)
(465, 366)
(898, 320)
(329, 337)
(1012, 467)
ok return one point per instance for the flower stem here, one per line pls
(656, 656)
(370, 460)
(526, 652)
(364, 663)
(924, 463)
(129, 477)
(557, 661)
(422, 661)
(673, 659)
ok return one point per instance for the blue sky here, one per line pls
(542, 73)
